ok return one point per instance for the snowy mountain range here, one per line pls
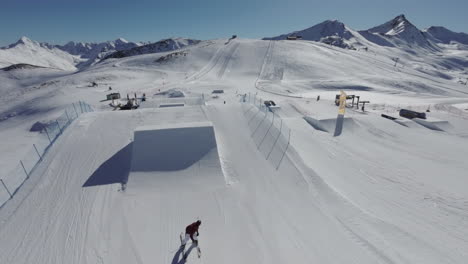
(329, 32)
(79, 55)
(93, 52)
(160, 46)
(39, 54)
(398, 32)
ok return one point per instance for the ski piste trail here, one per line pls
(379, 193)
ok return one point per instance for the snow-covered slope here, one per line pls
(160, 46)
(315, 33)
(443, 35)
(383, 192)
(32, 52)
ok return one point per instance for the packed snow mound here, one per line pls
(26, 51)
(445, 36)
(323, 32)
(160, 46)
(400, 32)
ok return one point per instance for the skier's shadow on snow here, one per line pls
(113, 170)
(178, 257)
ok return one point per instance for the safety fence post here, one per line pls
(274, 144)
(66, 113)
(40, 157)
(22, 165)
(58, 126)
(272, 121)
(4, 185)
(259, 124)
(81, 107)
(252, 117)
(47, 133)
(284, 153)
(75, 109)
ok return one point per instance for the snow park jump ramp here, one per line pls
(183, 155)
(328, 124)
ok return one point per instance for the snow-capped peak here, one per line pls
(394, 27)
(319, 31)
(398, 32)
(27, 51)
(24, 41)
(121, 41)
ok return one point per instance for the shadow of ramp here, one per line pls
(113, 170)
(175, 157)
(315, 124)
(171, 147)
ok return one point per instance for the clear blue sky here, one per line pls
(58, 21)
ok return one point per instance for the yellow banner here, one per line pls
(342, 108)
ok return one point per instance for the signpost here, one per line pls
(340, 117)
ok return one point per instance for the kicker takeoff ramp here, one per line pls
(183, 155)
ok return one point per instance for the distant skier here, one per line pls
(191, 232)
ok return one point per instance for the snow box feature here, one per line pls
(175, 156)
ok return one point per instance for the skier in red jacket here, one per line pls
(191, 232)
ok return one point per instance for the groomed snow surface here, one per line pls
(120, 186)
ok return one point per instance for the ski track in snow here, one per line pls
(227, 59)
